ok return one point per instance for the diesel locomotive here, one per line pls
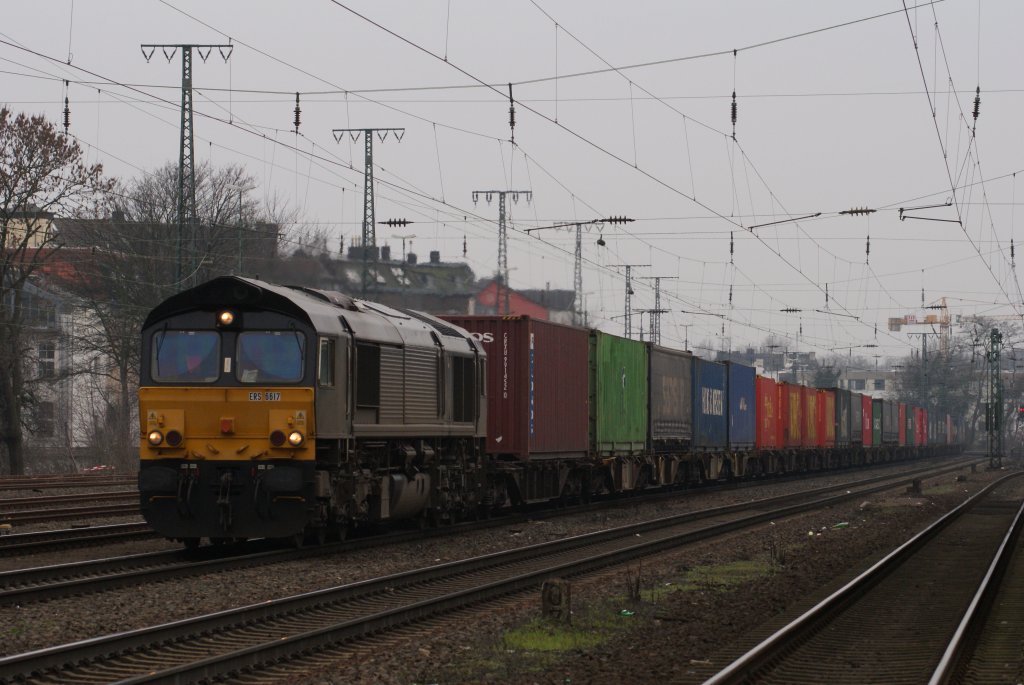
(290, 412)
(272, 411)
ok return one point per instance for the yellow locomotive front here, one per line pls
(226, 410)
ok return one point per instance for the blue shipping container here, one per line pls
(709, 400)
(740, 390)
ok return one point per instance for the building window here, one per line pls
(857, 383)
(47, 358)
(44, 420)
(879, 384)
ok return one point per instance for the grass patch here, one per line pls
(723, 576)
(541, 636)
(537, 646)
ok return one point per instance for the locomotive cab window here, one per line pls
(270, 356)
(325, 363)
(185, 356)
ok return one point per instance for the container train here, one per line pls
(291, 412)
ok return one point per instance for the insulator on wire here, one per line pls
(867, 251)
(464, 250)
(826, 294)
(731, 246)
(977, 103)
(511, 114)
(298, 113)
(734, 109)
(67, 115)
(730, 294)
(1013, 262)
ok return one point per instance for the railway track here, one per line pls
(232, 641)
(68, 538)
(14, 503)
(894, 622)
(69, 513)
(63, 481)
(97, 575)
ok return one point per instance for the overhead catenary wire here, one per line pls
(745, 167)
(559, 125)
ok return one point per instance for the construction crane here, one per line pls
(941, 320)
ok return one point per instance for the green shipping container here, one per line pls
(618, 394)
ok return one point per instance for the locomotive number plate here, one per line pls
(264, 397)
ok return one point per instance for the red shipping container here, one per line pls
(810, 422)
(826, 418)
(902, 441)
(791, 404)
(912, 426)
(921, 427)
(537, 385)
(950, 436)
(767, 412)
(865, 412)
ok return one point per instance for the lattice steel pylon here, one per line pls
(186, 214)
(628, 313)
(502, 235)
(994, 412)
(657, 311)
(369, 213)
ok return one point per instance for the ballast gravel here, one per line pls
(41, 625)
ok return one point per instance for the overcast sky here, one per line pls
(835, 112)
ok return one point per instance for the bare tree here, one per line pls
(127, 265)
(42, 175)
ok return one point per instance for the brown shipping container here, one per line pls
(537, 385)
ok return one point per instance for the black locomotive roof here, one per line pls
(227, 291)
(318, 308)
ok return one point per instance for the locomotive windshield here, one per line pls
(270, 356)
(186, 356)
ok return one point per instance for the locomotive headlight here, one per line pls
(295, 438)
(226, 318)
(155, 437)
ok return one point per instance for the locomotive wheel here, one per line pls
(298, 540)
(191, 544)
(320, 534)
